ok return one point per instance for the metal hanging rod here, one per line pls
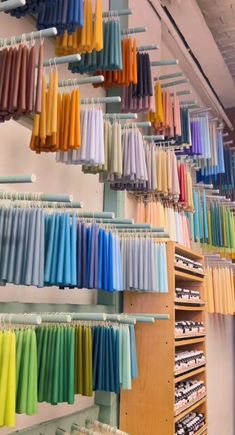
(17, 179)
(28, 196)
(195, 106)
(96, 215)
(123, 116)
(134, 30)
(188, 103)
(228, 142)
(56, 317)
(181, 93)
(81, 81)
(176, 83)
(169, 76)
(148, 48)
(225, 134)
(117, 13)
(143, 232)
(164, 62)
(20, 319)
(101, 100)
(62, 60)
(155, 316)
(45, 33)
(67, 205)
(146, 124)
(202, 110)
(154, 137)
(203, 186)
(11, 4)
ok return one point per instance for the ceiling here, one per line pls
(220, 18)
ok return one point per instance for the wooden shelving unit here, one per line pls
(149, 408)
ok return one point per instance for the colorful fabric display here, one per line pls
(54, 363)
(18, 375)
(167, 116)
(57, 127)
(67, 15)
(31, 6)
(92, 149)
(22, 246)
(144, 264)
(105, 58)
(214, 223)
(221, 176)
(129, 73)
(219, 286)
(165, 216)
(137, 97)
(18, 95)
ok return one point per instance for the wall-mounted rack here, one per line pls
(18, 179)
(62, 60)
(11, 4)
(81, 81)
(29, 196)
(169, 76)
(40, 34)
(101, 100)
(164, 62)
(148, 48)
(134, 30)
(175, 83)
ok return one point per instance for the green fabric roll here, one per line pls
(80, 359)
(19, 346)
(55, 387)
(65, 365)
(71, 336)
(23, 386)
(61, 366)
(42, 378)
(51, 365)
(32, 374)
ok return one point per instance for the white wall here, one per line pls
(220, 374)
(52, 177)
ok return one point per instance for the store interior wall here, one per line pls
(16, 158)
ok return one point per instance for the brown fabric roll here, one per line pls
(38, 101)
(6, 81)
(31, 80)
(23, 82)
(17, 78)
(12, 80)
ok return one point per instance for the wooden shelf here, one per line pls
(185, 252)
(202, 430)
(185, 276)
(185, 336)
(189, 308)
(188, 302)
(189, 269)
(145, 404)
(188, 341)
(180, 414)
(189, 374)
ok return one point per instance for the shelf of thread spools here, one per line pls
(194, 423)
(188, 300)
(188, 362)
(188, 269)
(189, 392)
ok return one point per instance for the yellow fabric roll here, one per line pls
(54, 101)
(77, 119)
(98, 26)
(5, 356)
(10, 416)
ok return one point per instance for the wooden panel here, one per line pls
(148, 409)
